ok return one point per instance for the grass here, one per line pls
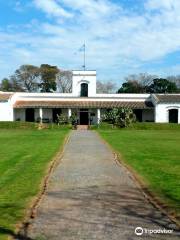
(24, 158)
(154, 154)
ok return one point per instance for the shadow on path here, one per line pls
(103, 210)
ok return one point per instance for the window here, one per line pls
(84, 90)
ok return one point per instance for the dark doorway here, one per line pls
(56, 111)
(30, 115)
(138, 113)
(84, 117)
(84, 90)
(173, 115)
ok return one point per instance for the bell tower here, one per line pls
(84, 83)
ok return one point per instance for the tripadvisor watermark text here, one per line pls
(140, 231)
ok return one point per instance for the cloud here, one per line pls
(119, 40)
(52, 8)
(161, 4)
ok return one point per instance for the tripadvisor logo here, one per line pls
(140, 231)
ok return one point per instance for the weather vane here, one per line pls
(83, 49)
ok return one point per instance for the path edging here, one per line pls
(22, 227)
(152, 198)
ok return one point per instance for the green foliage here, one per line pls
(10, 85)
(131, 87)
(161, 85)
(6, 85)
(73, 119)
(121, 117)
(27, 77)
(154, 155)
(48, 77)
(62, 119)
(30, 78)
(158, 85)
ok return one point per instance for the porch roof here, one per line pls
(167, 98)
(5, 96)
(83, 104)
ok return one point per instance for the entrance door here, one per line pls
(84, 117)
(173, 115)
(30, 115)
(56, 111)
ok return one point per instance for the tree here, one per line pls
(145, 79)
(131, 87)
(48, 78)
(64, 81)
(161, 85)
(175, 79)
(15, 85)
(6, 85)
(105, 87)
(27, 77)
(10, 85)
(137, 83)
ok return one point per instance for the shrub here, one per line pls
(121, 117)
(62, 119)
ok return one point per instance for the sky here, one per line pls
(122, 37)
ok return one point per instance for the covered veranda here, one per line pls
(87, 112)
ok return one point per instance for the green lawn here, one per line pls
(154, 155)
(24, 157)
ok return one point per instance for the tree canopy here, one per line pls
(105, 87)
(30, 78)
(161, 85)
(48, 78)
(64, 81)
(131, 87)
(144, 83)
(27, 77)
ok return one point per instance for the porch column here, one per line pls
(41, 114)
(69, 112)
(179, 116)
(98, 115)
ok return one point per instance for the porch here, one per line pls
(50, 115)
(85, 116)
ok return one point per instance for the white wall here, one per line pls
(80, 77)
(162, 112)
(6, 111)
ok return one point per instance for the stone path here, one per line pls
(91, 197)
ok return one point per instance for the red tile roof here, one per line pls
(5, 96)
(167, 98)
(83, 104)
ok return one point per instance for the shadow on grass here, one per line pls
(10, 233)
(11, 210)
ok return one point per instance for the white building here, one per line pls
(87, 104)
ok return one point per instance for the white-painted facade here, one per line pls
(80, 77)
(86, 103)
(6, 111)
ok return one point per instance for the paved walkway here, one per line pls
(91, 197)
